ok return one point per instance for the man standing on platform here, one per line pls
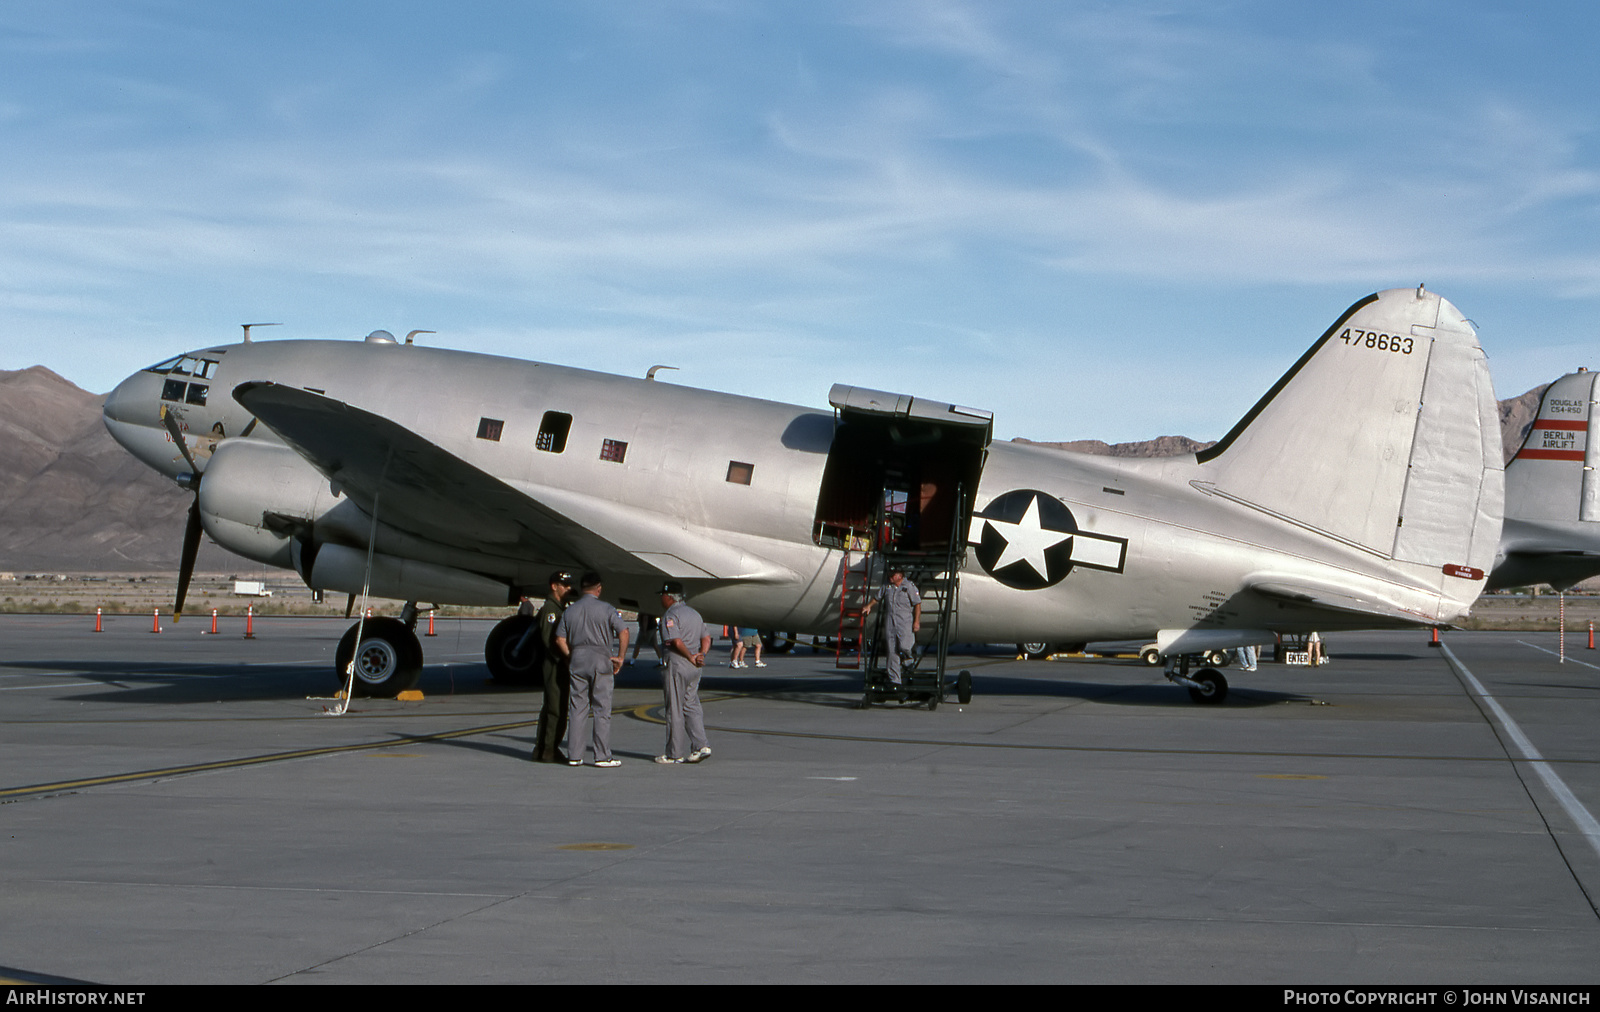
(902, 620)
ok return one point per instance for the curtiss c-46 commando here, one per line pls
(1364, 490)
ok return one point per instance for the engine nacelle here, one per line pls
(255, 495)
(263, 501)
(344, 569)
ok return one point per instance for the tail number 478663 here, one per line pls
(1396, 343)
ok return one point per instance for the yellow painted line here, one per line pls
(256, 760)
(648, 712)
(595, 846)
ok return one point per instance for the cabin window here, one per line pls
(739, 473)
(614, 450)
(172, 390)
(553, 429)
(490, 428)
(197, 393)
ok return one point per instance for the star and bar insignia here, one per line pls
(1029, 540)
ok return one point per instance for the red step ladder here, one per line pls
(852, 602)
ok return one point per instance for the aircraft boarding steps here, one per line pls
(936, 572)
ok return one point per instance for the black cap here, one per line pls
(560, 578)
(672, 587)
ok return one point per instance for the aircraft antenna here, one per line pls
(656, 368)
(247, 327)
(414, 333)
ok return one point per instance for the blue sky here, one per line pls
(1100, 220)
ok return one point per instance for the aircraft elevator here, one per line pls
(897, 493)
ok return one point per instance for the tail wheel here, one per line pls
(1213, 687)
(388, 662)
(1035, 651)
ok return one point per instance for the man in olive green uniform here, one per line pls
(553, 714)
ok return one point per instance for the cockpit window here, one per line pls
(187, 365)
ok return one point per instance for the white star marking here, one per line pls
(1026, 541)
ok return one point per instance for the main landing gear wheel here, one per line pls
(508, 664)
(1035, 651)
(388, 663)
(1213, 687)
(964, 687)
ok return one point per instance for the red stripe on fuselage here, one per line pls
(1550, 455)
(1573, 424)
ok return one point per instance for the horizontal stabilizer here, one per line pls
(1337, 600)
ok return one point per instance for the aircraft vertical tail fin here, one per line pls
(1384, 436)
(1553, 475)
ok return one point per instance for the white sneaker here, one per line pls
(608, 763)
(761, 664)
(699, 754)
(667, 760)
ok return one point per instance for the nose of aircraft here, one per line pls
(135, 400)
(132, 415)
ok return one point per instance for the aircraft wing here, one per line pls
(1340, 601)
(419, 487)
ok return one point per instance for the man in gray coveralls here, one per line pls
(584, 637)
(684, 634)
(902, 619)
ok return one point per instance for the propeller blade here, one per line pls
(191, 547)
(177, 437)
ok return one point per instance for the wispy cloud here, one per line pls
(932, 196)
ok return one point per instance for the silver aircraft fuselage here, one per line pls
(661, 471)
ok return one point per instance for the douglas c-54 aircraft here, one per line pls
(1552, 516)
(1364, 490)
